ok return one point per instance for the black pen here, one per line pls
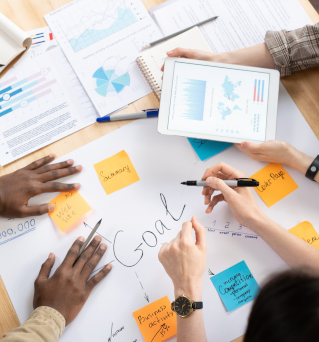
(1, 65)
(240, 182)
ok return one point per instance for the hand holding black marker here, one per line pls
(237, 182)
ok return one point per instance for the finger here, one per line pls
(214, 201)
(225, 169)
(36, 210)
(186, 232)
(57, 174)
(87, 253)
(185, 53)
(46, 268)
(38, 163)
(73, 252)
(55, 166)
(93, 261)
(221, 186)
(59, 187)
(200, 232)
(98, 277)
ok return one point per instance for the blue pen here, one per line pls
(146, 113)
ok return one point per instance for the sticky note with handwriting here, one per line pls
(156, 321)
(306, 232)
(207, 148)
(69, 207)
(236, 286)
(274, 183)
(116, 172)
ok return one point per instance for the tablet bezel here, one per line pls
(164, 108)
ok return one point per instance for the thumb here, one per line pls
(251, 147)
(218, 184)
(199, 232)
(180, 52)
(46, 267)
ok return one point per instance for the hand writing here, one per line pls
(18, 187)
(68, 289)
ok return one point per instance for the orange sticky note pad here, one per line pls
(274, 183)
(116, 172)
(156, 321)
(306, 232)
(69, 207)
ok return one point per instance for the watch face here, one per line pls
(183, 306)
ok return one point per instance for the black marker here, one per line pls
(241, 182)
(1, 65)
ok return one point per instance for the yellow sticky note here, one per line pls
(306, 232)
(69, 207)
(116, 172)
(156, 321)
(274, 183)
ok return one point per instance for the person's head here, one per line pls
(286, 309)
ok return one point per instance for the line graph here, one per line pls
(96, 21)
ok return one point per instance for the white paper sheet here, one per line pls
(161, 162)
(241, 23)
(102, 40)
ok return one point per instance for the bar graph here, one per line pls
(193, 95)
(259, 87)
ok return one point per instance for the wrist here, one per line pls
(193, 292)
(299, 161)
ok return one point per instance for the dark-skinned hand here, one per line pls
(68, 289)
(18, 187)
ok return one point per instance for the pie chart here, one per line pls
(108, 81)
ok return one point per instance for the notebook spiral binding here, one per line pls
(149, 77)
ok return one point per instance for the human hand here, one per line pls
(185, 260)
(240, 200)
(18, 187)
(68, 289)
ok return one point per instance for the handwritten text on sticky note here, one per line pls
(156, 321)
(116, 172)
(236, 286)
(207, 148)
(274, 183)
(69, 207)
(306, 232)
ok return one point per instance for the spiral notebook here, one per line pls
(151, 60)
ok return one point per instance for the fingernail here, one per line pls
(79, 167)
(109, 266)
(97, 238)
(70, 161)
(81, 238)
(52, 155)
(51, 207)
(209, 180)
(243, 144)
(170, 52)
(103, 246)
(77, 185)
(50, 256)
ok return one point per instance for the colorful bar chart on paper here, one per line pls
(40, 38)
(259, 90)
(194, 99)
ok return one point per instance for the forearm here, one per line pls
(44, 325)
(191, 328)
(293, 250)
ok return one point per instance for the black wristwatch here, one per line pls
(183, 306)
(313, 169)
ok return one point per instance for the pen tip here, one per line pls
(100, 221)
(183, 183)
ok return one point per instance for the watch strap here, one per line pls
(313, 169)
(197, 305)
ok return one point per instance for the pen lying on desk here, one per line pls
(240, 182)
(147, 113)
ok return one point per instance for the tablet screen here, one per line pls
(219, 101)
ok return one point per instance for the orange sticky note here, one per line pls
(69, 207)
(306, 232)
(116, 172)
(274, 183)
(156, 321)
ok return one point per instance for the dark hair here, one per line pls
(286, 309)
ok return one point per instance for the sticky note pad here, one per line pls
(69, 207)
(306, 232)
(207, 148)
(236, 286)
(156, 321)
(116, 172)
(274, 183)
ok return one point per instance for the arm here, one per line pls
(59, 299)
(185, 262)
(294, 251)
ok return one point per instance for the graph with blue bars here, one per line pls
(15, 94)
(193, 94)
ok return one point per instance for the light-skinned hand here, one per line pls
(68, 289)
(184, 259)
(18, 187)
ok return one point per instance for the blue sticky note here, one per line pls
(236, 286)
(207, 148)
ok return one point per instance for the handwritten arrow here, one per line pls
(145, 295)
(87, 226)
(210, 272)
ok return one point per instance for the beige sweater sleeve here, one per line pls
(44, 325)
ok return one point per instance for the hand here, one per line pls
(240, 200)
(18, 187)
(185, 260)
(68, 289)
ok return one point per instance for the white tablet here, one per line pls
(215, 101)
